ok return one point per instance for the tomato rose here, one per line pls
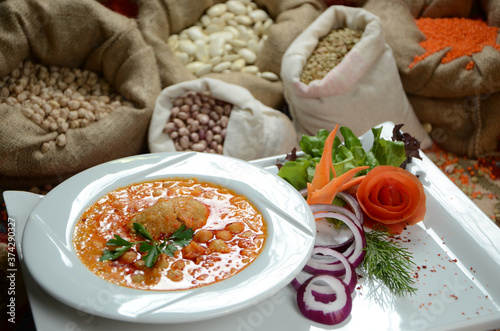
(393, 197)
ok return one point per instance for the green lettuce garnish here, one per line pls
(345, 156)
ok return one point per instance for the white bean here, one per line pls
(238, 64)
(216, 47)
(253, 45)
(221, 66)
(205, 20)
(187, 46)
(248, 55)
(231, 29)
(258, 15)
(236, 7)
(217, 10)
(243, 19)
(250, 69)
(184, 57)
(271, 76)
(205, 69)
(212, 28)
(195, 33)
(195, 66)
(202, 53)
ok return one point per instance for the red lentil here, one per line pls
(464, 36)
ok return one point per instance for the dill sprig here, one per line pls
(388, 262)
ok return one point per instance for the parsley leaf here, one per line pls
(118, 241)
(141, 229)
(169, 249)
(181, 237)
(152, 256)
(114, 254)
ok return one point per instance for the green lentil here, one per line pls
(329, 52)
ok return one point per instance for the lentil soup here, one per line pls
(226, 239)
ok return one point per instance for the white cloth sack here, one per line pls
(364, 89)
(254, 130)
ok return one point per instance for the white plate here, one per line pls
(461, 295)
(50, 257)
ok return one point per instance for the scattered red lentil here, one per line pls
(465, 37)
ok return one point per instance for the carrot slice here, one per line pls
(353, 182)
(328, 192)
(325, 164)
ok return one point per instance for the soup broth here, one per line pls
(229, 234)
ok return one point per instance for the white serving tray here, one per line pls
(456, 250)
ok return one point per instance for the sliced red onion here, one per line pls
(320, 207)
(325, 309)
(327, 234)
(318, 290)
(344, 269)
(322, 261)
(353, 203)
(349, 199)
(357, 255)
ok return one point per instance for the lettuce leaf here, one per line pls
(345, 156)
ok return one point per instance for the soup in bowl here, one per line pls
(236, 234)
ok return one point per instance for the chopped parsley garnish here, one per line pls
(181, 237)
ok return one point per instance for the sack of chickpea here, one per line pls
(77, 89)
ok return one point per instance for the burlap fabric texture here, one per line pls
(462, 105)
(87, 35)
(158, 19)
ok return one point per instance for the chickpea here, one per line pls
(43, 93)
(218, 245)
(129, 257)
(203, 236)
(138, 278)
(235, 227)
(179, 265)
(162, 262)
(140, 264)
(193, 251)
(175, 275)
(223, 235)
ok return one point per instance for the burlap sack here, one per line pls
(84, 34)
(461, 105)
(363, 90)
(254, 130)
(158, 19)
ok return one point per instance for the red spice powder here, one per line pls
(465, 37)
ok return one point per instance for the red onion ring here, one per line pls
(326, 309)
(318, 290)
(344, 269)
(329, 238)
(357, 255)
(353, 203)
